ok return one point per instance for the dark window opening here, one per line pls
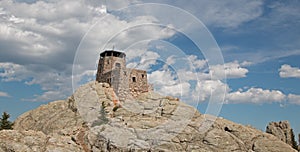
(133, 79)
(143, 75)
(118, 65)
(108, 80)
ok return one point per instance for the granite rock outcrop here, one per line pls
(283, 131)
(92, 119)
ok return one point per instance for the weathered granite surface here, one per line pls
(283, 131)
(92, 119)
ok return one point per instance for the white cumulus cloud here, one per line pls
(4, 94)
(160, 78)
(231, 69)
(54, 84)
(176, 90)
(287, 71)
(293, 99)
(38, 41)
(197, 63)
(255, 95)
(225, 14)
(207, 88)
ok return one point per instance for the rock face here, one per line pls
(282, 130)
(92, 120)
(35, 141)
(47, 118)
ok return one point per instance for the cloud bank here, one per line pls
(39, 40)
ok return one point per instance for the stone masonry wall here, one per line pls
(108, 63)
(126, 82)
(137, 81)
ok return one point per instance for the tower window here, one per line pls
(143, 75)
(133, 79)
(118, 65)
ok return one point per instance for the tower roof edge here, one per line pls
(117, 53)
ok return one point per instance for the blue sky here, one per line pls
(44, 43)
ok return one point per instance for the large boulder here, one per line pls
(283, 131)
(92, 119)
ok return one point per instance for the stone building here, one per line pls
(126, 82)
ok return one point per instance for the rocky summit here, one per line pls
(93, 119)
(283, 131)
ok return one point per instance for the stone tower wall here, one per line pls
(123, 89)
(137, 81)
(109, 63)
(126, 82)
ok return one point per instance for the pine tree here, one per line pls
(294, 143)
(299, 140)
(4, 122)
(102, 117)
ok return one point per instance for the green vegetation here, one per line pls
(4, 122)
(294, 143)
(102, 117)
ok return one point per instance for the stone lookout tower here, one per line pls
(125, 81)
